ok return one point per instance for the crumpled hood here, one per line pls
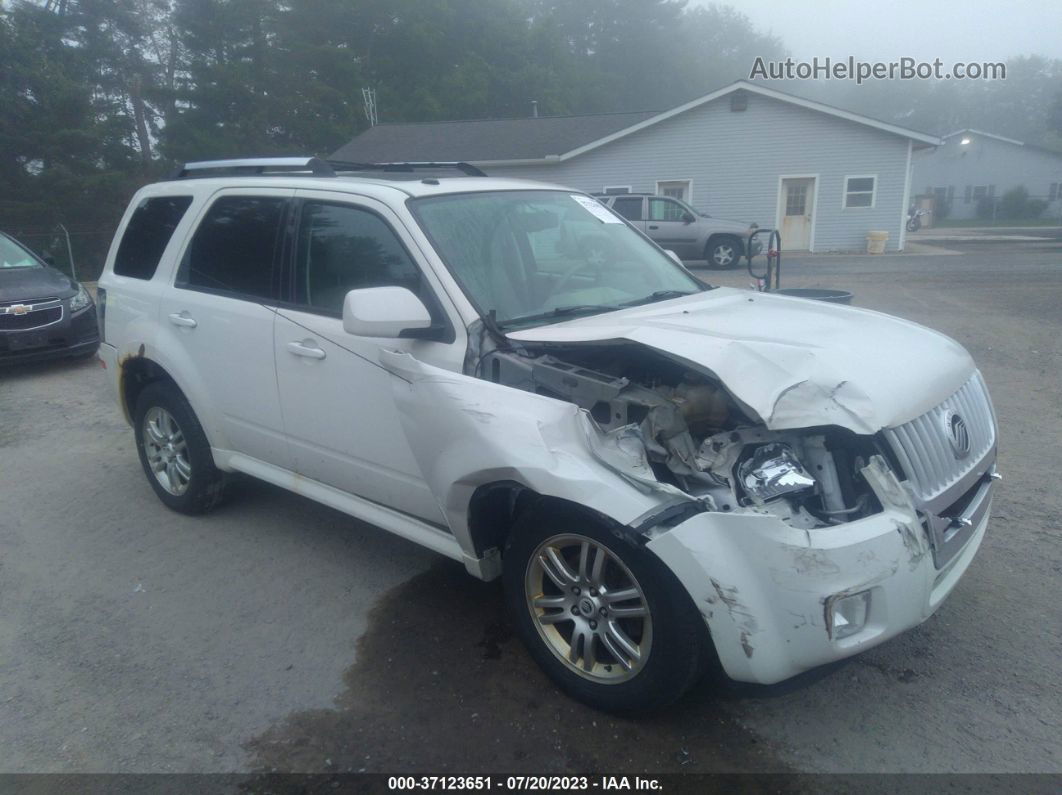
(25, 284)
(792, 362)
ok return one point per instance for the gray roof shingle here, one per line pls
(485, 139)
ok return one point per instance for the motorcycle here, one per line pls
(914, 219)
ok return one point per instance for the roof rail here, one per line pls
(408, 166)
(256, 166)
(308, 166)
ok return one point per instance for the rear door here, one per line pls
(338, 403)
(216, 322)
(632, 208)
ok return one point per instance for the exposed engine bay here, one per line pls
(680, 427)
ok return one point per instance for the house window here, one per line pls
(1052, 194)
(979, 192)
(966, 195)
(859, 191)
(991, 190)
(940, 194)
(680, 189)
(612, 190)
(951, 193)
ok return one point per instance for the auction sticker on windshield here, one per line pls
(597, 209)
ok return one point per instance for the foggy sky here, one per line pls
(925, 29)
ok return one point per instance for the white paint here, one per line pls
(793, 362)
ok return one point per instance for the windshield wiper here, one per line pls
(659, 295)
(560, 311)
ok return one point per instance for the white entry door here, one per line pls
(796, 207)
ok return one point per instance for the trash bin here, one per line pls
(876, 242)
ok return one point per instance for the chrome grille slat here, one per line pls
(923, 448)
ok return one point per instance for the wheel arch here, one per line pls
(495, 508)
(716, 237)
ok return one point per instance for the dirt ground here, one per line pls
(278, 634)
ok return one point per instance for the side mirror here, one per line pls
(383, 312)
(673, 255)
(687, 218)
(49, 260)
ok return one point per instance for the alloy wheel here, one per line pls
(589, 608)
(167, 451)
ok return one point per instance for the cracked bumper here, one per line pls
(762, 586)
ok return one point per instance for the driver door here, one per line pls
(337, 401)
(668, 229)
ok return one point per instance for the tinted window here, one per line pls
(342, 248)
(631, 209)
(147, 234)
(233, 249)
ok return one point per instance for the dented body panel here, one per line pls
(794, 363)
(763, 587)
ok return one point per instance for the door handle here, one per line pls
(653, 226)
(307, 349)
(183, 319)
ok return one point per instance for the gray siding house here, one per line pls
(971, 165)
(823, 176)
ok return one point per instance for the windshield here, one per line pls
(12, 255)
(535, 257)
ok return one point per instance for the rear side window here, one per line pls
(631, 209)
(147, 234)
(233, 250)
(342, 248)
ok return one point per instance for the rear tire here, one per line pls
(723, 252)
(646, 640)
(174, 450)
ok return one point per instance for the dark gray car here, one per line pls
(678, 227)
(44, 314)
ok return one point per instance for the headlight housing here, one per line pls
(773, 471)
(81, 300)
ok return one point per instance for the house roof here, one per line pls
(556, 138)
(484, 139)
(1015, 142)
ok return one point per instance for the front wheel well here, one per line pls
(719, 237)
(495, 508)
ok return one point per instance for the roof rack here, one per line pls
(254, 166)
(408, 166)
(307, 166)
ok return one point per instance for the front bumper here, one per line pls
(764, 587)
(70, 335)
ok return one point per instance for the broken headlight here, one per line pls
(773, 471)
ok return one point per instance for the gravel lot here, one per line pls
(276, 633)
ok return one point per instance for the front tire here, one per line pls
(723, 253)
(174, 450)
(603, 616)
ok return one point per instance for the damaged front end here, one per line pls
(798, 545)
(661, 422)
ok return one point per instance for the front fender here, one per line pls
(466, 432)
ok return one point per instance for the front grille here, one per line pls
(924, 449)
(36, 319)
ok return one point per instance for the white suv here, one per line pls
(507, 373)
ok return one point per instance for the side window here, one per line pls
(234, 247)
(147, 234)
(631, 209)
(341, 248)
(665, 210)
